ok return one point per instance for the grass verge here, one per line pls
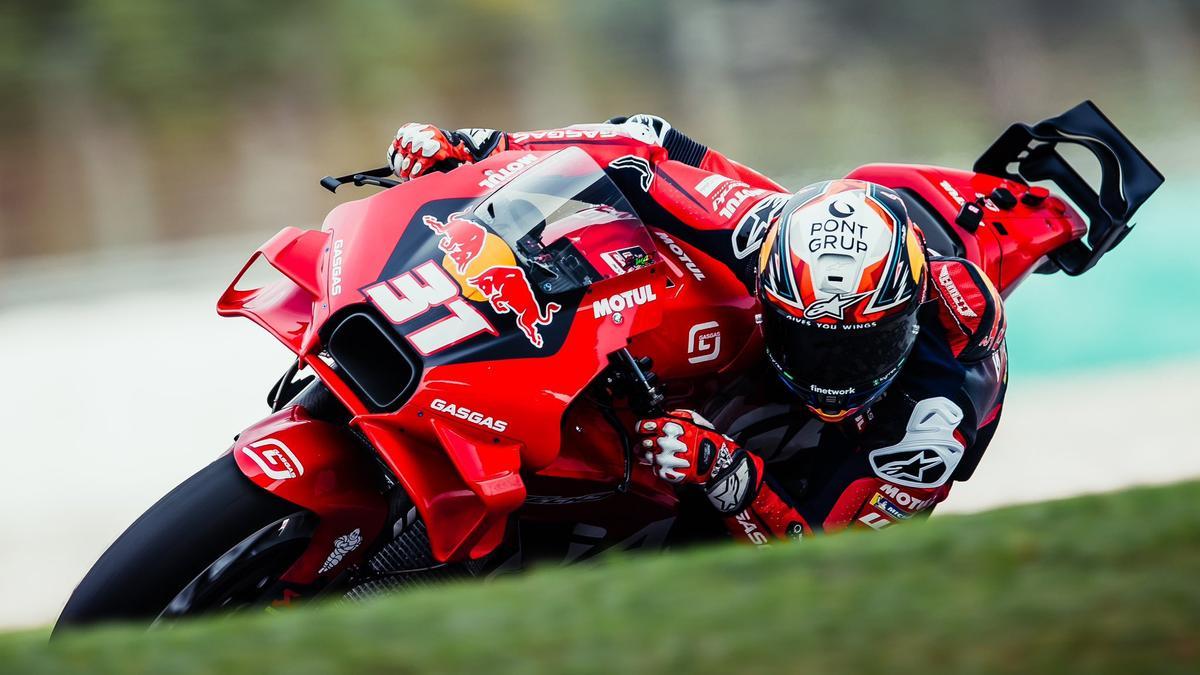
(1096, 584)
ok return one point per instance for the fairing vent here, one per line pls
(373, 360)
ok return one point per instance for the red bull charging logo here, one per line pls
(462, 239)
(507, 289)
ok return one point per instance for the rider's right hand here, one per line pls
(418, 148)
(421, 148)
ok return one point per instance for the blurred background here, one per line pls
(147, 147)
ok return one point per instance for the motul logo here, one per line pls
(623, 300)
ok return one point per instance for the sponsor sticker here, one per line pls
(462, 239)
(508, 291)
(341, 546)
(956, 296)
(496, 178)
(274, 459)
(704, 342)
(472, 416)
(710, 183)
(881, 503)
(681, 255)
(626, 259)
(623, 300)
(335, 268)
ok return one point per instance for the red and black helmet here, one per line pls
(842, 273)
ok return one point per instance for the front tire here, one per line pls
(174, 546)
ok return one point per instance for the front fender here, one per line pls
(319, 467)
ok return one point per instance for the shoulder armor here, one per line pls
(970, 308)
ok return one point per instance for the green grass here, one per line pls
(1096, 584)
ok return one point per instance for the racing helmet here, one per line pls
(841, 275)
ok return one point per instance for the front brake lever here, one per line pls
(378, 177)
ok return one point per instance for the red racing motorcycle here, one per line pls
(472, 349)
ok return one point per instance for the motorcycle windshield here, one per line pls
(568, 223)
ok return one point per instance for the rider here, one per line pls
(887, 362)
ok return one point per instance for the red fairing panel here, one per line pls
(1009, 244)
(315, 466)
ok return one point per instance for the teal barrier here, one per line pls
(1140, 304)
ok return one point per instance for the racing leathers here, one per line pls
(783, 471)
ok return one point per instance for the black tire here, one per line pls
(169, 547)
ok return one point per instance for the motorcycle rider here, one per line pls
(885, 365)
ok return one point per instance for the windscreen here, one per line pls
(568, 223)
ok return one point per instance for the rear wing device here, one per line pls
(1127, 178)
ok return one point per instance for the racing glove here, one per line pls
(684, 448)
(421, 148)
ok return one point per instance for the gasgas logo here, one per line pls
(335, 272)
(472, 416)
(274, 459)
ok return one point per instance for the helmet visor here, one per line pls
(836, 368)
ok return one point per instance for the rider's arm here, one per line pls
(647, 136)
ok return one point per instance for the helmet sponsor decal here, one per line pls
(834, 306)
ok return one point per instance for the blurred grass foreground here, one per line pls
(1101, 584)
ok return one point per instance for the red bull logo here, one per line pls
(462, 239)
(507, 290)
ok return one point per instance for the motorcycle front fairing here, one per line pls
(458, 316)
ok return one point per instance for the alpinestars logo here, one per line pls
(730, 490)
(928, 454)
(834, 306)
(911, 467)
(748, 235)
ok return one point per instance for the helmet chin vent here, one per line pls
(836, 273)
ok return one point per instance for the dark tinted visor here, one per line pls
(834, 367)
